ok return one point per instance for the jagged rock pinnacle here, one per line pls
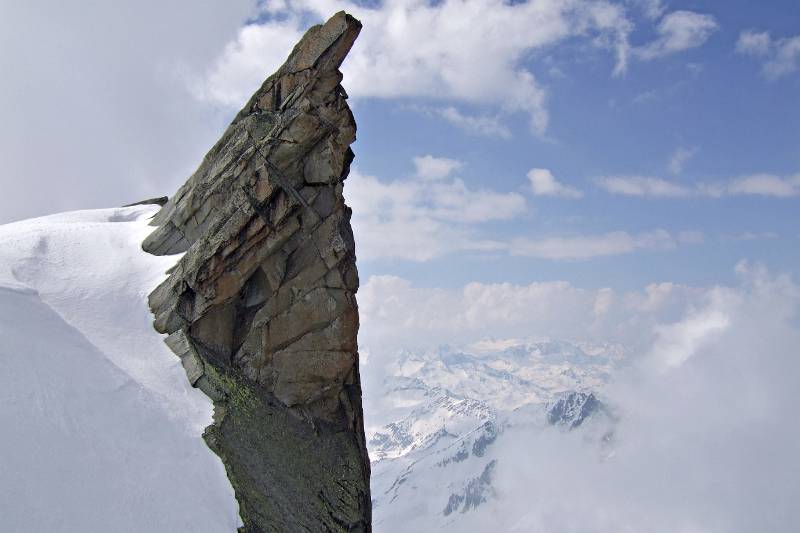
(261, 309)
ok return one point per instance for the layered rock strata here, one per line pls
(261, 308)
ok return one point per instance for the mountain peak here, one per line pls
(261, 308)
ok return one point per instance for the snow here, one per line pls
(441, 420)
(101, 429)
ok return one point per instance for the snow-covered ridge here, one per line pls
(103, 429)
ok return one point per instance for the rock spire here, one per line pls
(261, 308)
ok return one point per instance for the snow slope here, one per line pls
(101, 430)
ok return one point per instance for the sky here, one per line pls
(609, 170)
(606, 143)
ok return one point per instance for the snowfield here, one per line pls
(101, 429)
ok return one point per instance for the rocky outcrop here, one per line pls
(572, 408)
(261, 308)
(161, 200)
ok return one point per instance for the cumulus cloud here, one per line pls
(589, 246)
(543, 183)
(451, 50)
(395, 313)
(427, 215)
(753, 185)
(127, 129)
(434, 168)
(780, 57)
(679, 31)
(676, 343)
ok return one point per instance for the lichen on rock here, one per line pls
(261, 308)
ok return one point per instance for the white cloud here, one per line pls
(701, 442)
(434, 213)
(676, 343)
(487, 126)
(679, 31)
(786, 59)
(603, 302)
(754, 43)
(427, 215)
(654, 297)
(652, 9)
(706, 444)
(543, 183)
(753, 185)
(766, 185)
(394, 312)
(244, 63)
(781, 57)
(641, 186)
(589, 246)
(679, 158)
(451, 50)
(435, 168)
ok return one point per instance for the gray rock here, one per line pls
(477, 491)
(261, 309)
(571, 409)
(161, 200)
(487, 437)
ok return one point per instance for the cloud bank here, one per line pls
(704, 441)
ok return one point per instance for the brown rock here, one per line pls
(261, 309)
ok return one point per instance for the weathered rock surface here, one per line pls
(161, 200)
(261, 308)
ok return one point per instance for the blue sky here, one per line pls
(606, 143)
(710, 102)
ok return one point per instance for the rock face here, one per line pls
(572, 408)
(261, 309)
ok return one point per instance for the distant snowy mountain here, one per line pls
(84, 369)
(451, 417)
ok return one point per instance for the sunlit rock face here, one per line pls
(261, 308)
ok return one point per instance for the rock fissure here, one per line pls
(261, 308)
